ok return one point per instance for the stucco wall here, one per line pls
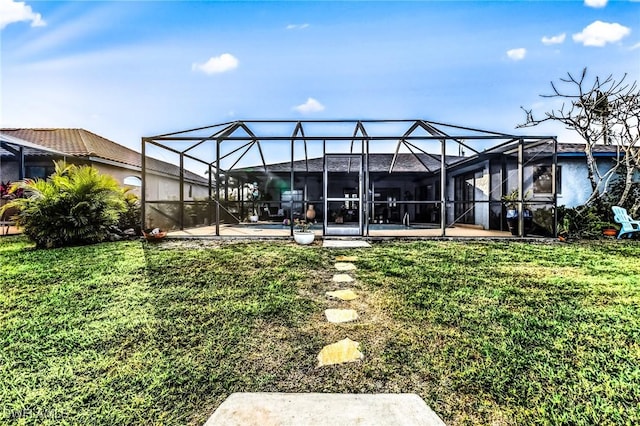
(576, 187)
(119, 174)
(8, 171)
(167, 188)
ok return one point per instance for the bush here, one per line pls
(584, 222)
(75, 205)
(131, 216)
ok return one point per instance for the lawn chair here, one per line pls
(629, 226)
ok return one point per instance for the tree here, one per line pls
(75, 205)
(603, 111)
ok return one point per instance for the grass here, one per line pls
(486, 333)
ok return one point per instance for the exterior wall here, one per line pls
(163, 186)
(8, 171)
(576, 187)
(119, 173)
(167, 188)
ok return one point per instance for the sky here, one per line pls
(125, 69)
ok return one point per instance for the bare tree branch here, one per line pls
(603, 112)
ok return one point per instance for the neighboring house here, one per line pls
(29, 153)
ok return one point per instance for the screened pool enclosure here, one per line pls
(361, 178)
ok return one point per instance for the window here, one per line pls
(132, 181)
(41, 172)
(542, 180)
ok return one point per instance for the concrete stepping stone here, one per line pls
(342, 278)
(337, 316)
(327, 243)
(346, 258)
(345, 350)
(345, 266)
(342, 294)
(294, 409)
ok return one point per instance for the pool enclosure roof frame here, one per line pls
(511, 144)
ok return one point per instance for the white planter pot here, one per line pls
(304, 238)
(253, 218)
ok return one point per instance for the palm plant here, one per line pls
(75, 205)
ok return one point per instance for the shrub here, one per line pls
(131, 216)
(585, 222)
(75, 205)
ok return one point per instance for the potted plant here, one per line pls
(511, 203)
(154, 234)
(302, 234)
(254, 197)
(609, 230)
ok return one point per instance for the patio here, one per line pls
(255, 230)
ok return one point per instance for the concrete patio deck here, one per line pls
(257, 231)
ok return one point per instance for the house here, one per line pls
(366, 177)
(360, 177)
(29, 153)
(77, 146)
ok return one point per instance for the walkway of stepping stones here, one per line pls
(345, 350)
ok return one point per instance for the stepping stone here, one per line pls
(337, 316)
(345, 350)
(293, 409)
(342, 294)
(345, 266)
(342, 278)
(344, 243)
(346, 258)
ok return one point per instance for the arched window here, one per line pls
(132, 181)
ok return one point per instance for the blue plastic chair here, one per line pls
(628, 225)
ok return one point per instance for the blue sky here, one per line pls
(127, 69)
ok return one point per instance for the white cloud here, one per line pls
(600, 33)
(517, 54)
(297, 26)
(557, 39)
(12, 11)
(595, 3)
(635, 46)
(310, 106)
(217, 64)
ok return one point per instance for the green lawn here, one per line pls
(486, 333)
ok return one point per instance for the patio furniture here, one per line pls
(273, 213)
(628, 225)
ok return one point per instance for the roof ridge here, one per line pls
(107, 140)
(40, 128)
(87, 146)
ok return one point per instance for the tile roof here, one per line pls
(79, 143)
(578, 148)
(83, 143)
(377, 163)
